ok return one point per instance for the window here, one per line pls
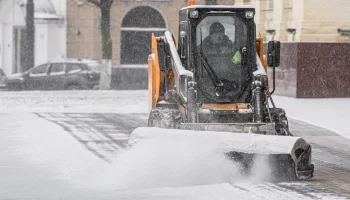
(229, 27)
(39, 69)
(136, 34)
(57, 67)
(135, 18)
(220, 39)
(72, 68)
(211, 2)
(270, 4)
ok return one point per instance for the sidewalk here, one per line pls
(332, 114)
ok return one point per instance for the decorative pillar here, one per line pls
(277, 18)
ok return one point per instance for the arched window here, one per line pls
(136, 32)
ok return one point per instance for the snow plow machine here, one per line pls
(215, 81)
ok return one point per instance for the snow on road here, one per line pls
(331, 113)
(41, 160)
(75, 101)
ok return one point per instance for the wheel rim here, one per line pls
(73, 87)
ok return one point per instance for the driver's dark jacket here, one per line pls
(219, 57)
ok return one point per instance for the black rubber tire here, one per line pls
(279, 118)
(165, 118)
(74, 87)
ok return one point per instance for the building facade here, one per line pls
(303, 20)
(133, 22)
(50, 32)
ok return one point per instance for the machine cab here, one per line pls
(218, 44)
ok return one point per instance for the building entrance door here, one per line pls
(136, 35)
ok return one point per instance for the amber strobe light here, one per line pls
(191, 2)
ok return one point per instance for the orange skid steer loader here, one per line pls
(215, 81)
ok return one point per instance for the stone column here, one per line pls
(278, 17)
(256, 4)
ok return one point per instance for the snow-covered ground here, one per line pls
(41, 160)
(332, 114)
(75, 101)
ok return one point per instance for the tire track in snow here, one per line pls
(106, 134)
(103, 135)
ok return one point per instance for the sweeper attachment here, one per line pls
(216, 80)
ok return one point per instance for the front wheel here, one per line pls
(280, 121)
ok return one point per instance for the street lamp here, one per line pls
(271, 32)
(292, 31)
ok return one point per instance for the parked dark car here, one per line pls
(63, 75)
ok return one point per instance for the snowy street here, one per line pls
(71, 145)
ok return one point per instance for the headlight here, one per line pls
(194, 14)
(249, 14)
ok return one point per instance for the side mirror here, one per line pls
(273, 54)
(182, 48)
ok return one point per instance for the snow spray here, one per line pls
(176, 162)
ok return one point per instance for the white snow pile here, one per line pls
(176, 162)
(249, 143)
(49, 147)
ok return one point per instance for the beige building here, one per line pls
(133, 21)
(306, 20)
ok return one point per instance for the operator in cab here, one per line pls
(218, 44)
(222, 55)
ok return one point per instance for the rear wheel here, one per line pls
(74, 87)
(16, 87)
(165, 118)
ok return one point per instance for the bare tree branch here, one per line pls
(96, 2)
(110, 3)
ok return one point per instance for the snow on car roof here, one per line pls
(218, 6)
(75, 60)
(41, 15)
